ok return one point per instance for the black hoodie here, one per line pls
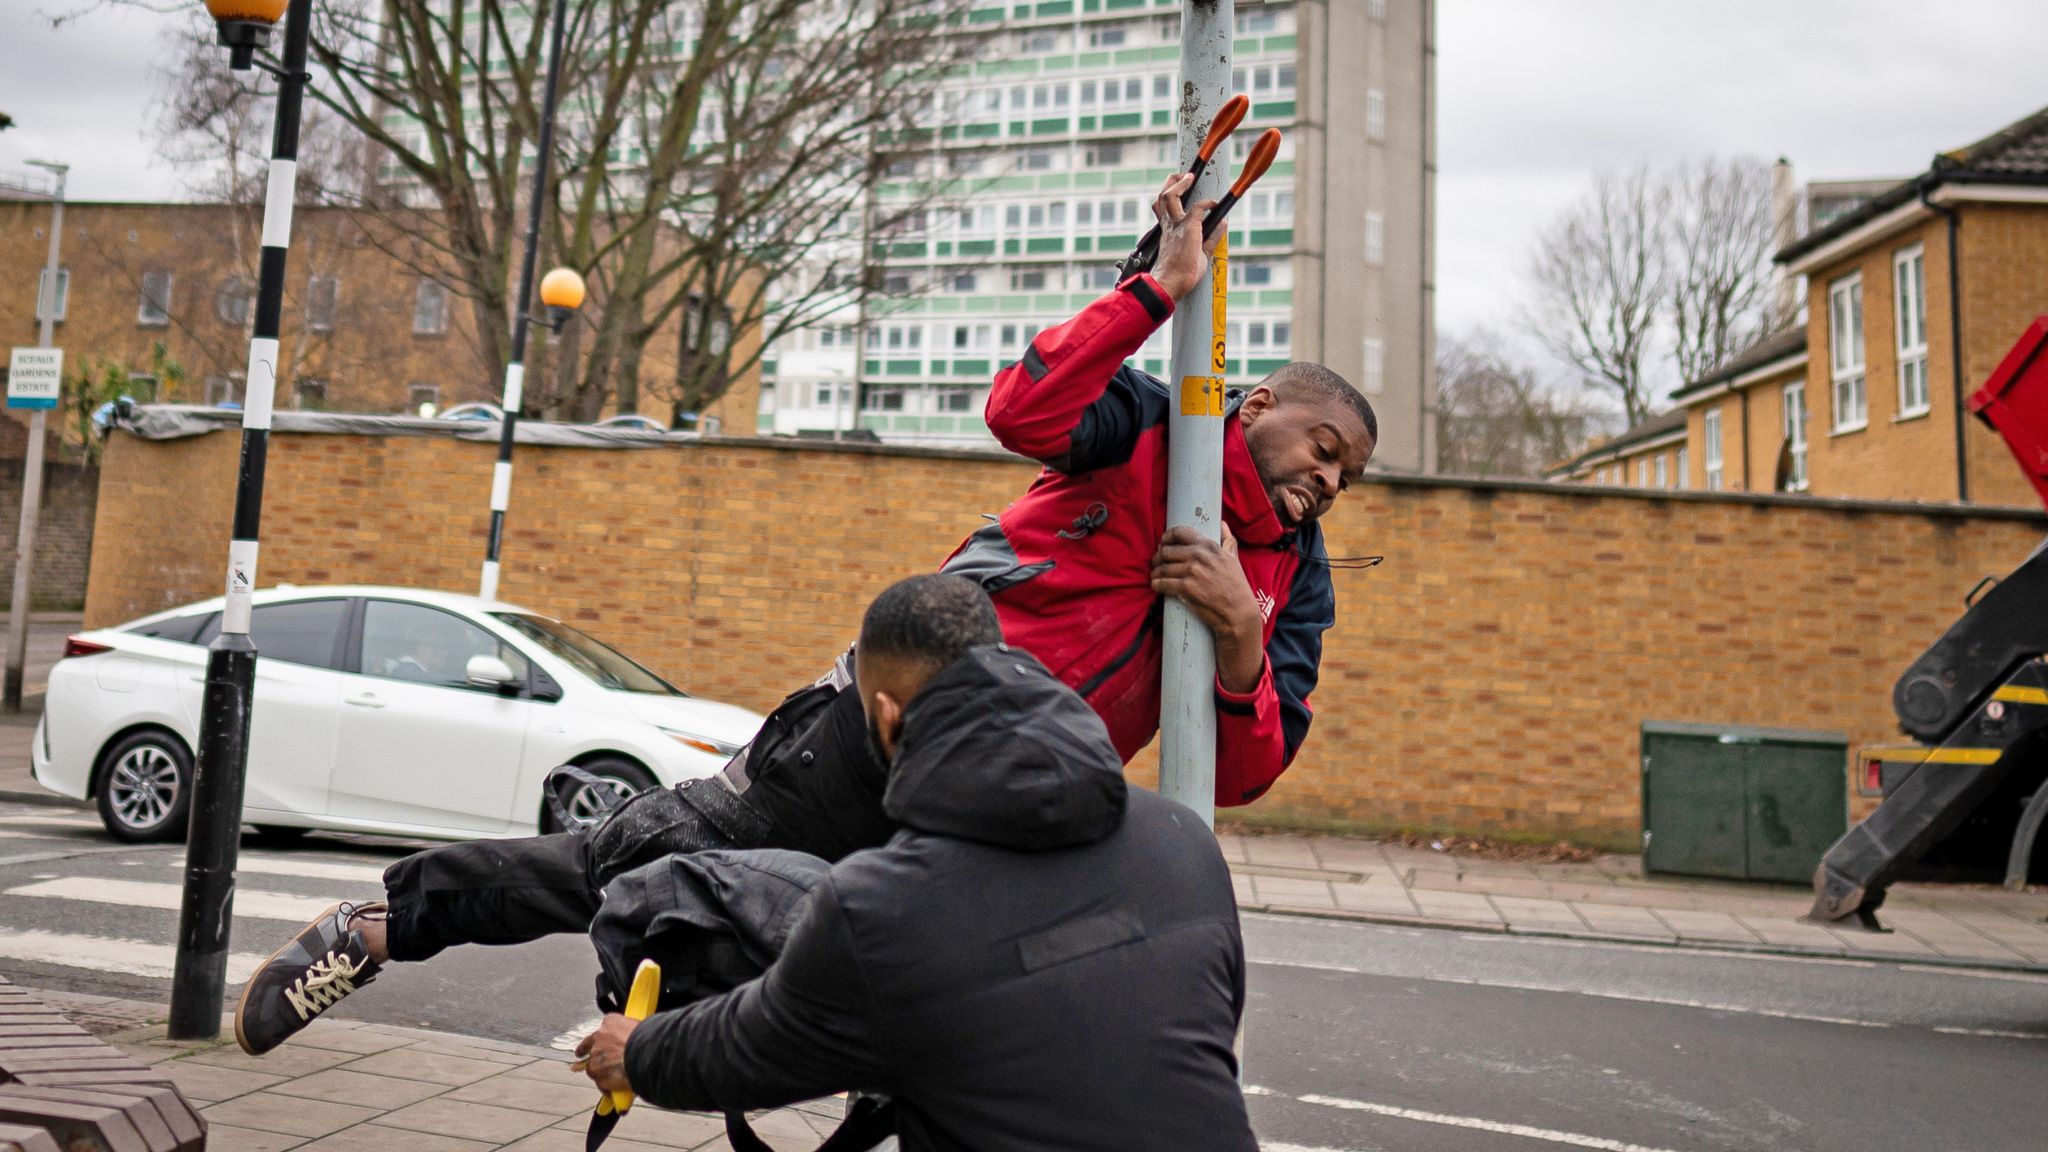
(1039, 959)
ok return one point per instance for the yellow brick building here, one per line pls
(1924, 285)
(367, 325)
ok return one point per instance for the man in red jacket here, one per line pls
(1077, 569)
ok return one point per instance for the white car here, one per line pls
(389, 710)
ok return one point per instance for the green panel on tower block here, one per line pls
(1122, 120)
(1042, 245)
(977, 247)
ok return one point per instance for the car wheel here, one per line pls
(583, 802)
(145, 791)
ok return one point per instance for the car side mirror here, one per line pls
(490, 672)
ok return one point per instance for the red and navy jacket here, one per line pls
(1069, 565)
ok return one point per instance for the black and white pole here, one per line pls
(204, 917)
(515, 366)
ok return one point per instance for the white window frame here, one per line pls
(1375, 238)
(1850, 404)
(430, 321)
(1792, 410)
(1909, 320)
(155, 311)
(1684, 468)
(1663, 470)
(320, 319)
(1375, 114)
(1372, 380)
(1710, 448)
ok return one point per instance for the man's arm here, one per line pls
(806, 1028)
(1262, 686)
(1060, 404)
(1258, 732)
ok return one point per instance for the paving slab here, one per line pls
(656, 1127)
(288, 1115)
(394, 1140)
(209, 1084)
(444, 1117)
(1284, 851)
(345, 1087)
(440, 1068)
(229, 1138)
(289, 1060)
(1693, 925)
(1289, 893)
(509, 1091)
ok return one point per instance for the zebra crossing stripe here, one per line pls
(108, 954)
(307, 869)
(249, 903)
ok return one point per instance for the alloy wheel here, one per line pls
(143, 786)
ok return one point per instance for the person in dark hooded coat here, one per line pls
(1041, 958)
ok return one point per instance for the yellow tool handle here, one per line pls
(639, 1006)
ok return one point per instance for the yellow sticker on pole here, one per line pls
(1219, 306)
(1201, 396)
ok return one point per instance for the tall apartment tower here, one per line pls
(1060, 135)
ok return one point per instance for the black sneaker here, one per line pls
(304, 978)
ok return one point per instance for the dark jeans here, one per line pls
(808, 782)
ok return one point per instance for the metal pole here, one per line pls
(515, 368)
(1194, 430)
(32, 469)
(207, 910)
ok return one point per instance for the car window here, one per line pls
(299, 632)
(428, 646)
(183, 629)
(588, 655)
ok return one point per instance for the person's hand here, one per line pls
(1183, 254)
(603, 1053)
(1205, 576)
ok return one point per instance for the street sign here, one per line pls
(35, 377)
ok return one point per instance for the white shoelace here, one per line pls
(326, 981)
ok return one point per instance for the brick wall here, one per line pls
(63, 548)
(1489, 677)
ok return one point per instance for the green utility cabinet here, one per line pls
(1743, 803)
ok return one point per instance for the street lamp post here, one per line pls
(32, 467)
(515, 365)
(206, 912)
(1194, 431)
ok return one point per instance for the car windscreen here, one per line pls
(591, 657)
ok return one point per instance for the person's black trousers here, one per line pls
(807, 783)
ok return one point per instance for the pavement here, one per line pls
(345, 1086)
(1357, 1038)
(1607, 898)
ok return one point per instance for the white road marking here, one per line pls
(108, 954)
(46, 821)
(567, 1041)
(1519, 986)
(249, 902)
(310, 869)
(1993, 1032)
(1527, 1132)
(1978, 973)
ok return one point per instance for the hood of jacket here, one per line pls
(998, 751)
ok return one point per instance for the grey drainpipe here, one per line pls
(1955, 338)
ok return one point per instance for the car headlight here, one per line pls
(703, 743)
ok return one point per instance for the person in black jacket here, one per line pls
(1040, 958)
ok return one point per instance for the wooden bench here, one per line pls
(63, 1090)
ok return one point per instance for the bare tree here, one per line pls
(1494, 415)
(707, 152)
(1645, 260)
(1722, 236)
(1599, 275)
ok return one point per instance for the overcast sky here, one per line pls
(1535, 96)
